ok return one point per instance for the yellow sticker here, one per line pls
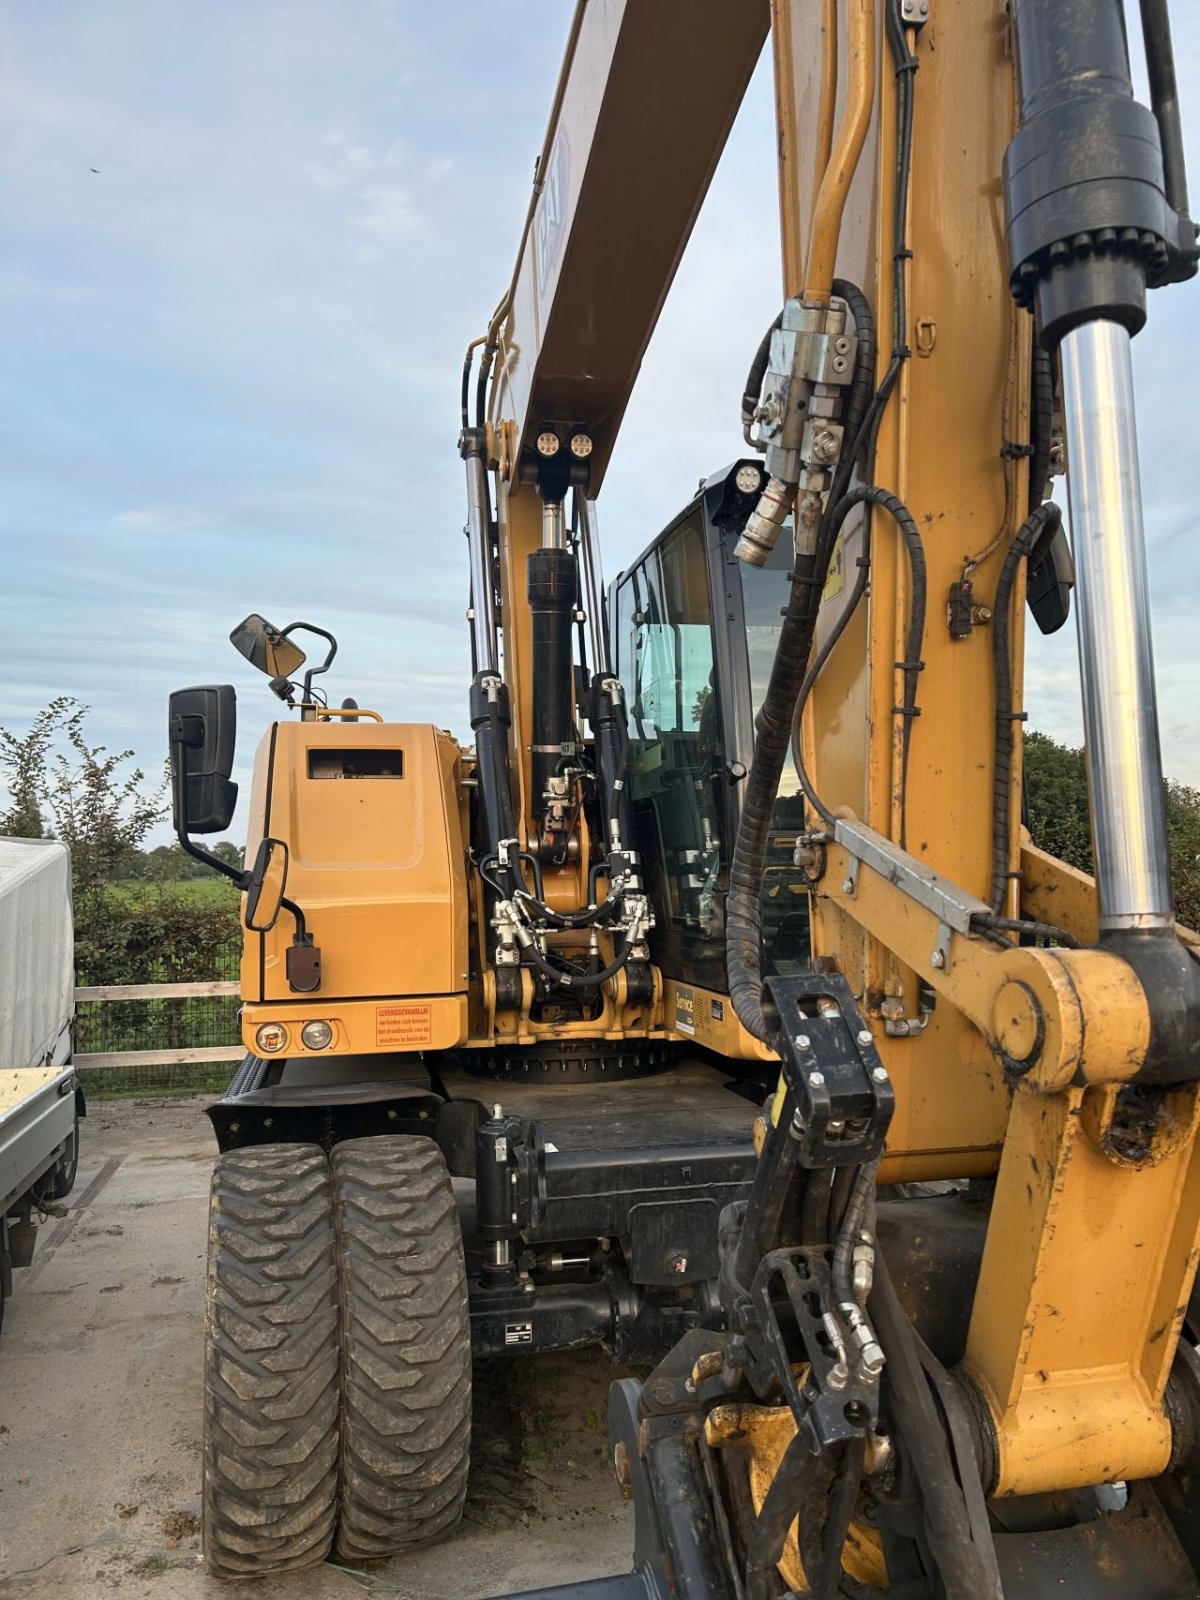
(835, 580)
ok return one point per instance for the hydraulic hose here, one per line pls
(1047, 516)
(580, 980)
(754, 379)
(1041, 425)
(773, 725)
(743, 935)
(1164, 100)
(966, 1571)
(869, 495)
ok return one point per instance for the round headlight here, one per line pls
(271, 1038)
(581, 446)
(316, 1035)
(548, 443)
(749, 478)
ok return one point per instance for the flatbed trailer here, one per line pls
(41, 1100)
(38, 1156)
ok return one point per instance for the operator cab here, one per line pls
(694, 633)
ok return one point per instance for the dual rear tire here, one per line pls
(337, 1356)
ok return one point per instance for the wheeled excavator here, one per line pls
(715, 1006)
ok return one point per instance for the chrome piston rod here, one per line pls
(1112, 609)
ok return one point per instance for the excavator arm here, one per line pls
(911, 1392)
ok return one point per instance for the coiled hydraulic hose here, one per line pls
(743, 920)
(772, 727)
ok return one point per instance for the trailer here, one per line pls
(41, 1099)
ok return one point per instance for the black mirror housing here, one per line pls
(203, 728)
(265, 890)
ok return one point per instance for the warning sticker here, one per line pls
(402, 1027)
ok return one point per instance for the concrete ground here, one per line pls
(100, 1409)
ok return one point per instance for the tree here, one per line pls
(1056, 810)
(24, 764)
(134, 920)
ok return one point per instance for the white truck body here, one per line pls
(37, 953)
(39, 1099)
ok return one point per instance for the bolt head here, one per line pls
(847, 885)
(879, 1074)
(864, 1036)
(938, 959)
(803, 1042)
(816, 1080)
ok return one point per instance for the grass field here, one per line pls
(204, 891)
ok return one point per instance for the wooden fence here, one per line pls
(196, 1057)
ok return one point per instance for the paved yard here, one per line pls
(100, 1409)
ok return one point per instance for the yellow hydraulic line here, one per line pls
(851, 135)
(783, 53)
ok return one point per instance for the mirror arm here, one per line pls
(302, 935)
(310, 627)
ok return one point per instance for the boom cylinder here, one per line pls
(1090, 227)
(551, 578)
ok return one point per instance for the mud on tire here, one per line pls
(271, 1363)
(406, 1347)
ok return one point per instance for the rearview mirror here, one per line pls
(266, 648)
(268, 879)
(202, 727)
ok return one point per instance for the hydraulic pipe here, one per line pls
(851, 135)
(784, 57)
(1112, 609)
(593, 592)
(479, 537)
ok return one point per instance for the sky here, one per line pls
(245, 245)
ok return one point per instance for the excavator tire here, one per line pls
(271, 1363)
(406, 1347)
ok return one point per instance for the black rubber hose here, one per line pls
(1041, 425)
(1023, 542)
(765, 1545)
(1164, 101)
(869, 495)
(481, 383)
(754, 378)
(466, 384)
(837, 1523)
(773, 726)
(1027, 928)
(848, 1228)
(960, 1566)
(759, 1230)
(580, 980)
(862, 385)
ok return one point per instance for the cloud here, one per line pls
(232, 354)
